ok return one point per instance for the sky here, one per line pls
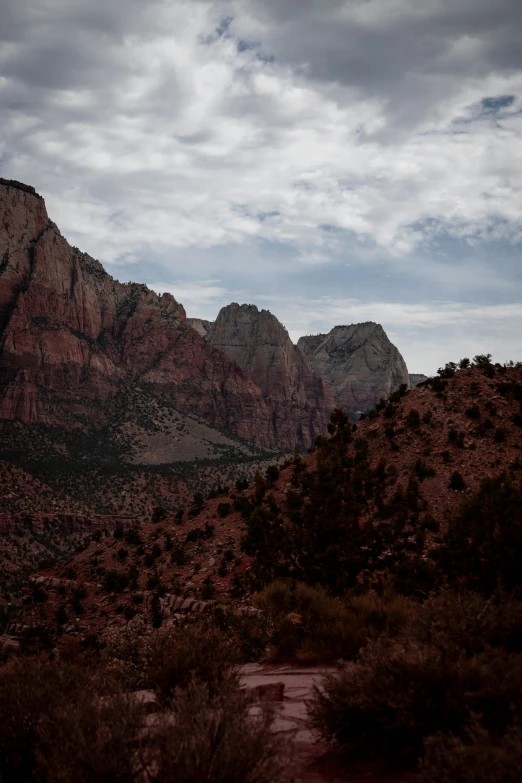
(332, 161)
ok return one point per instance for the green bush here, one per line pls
(212, 736)
(483, 545)
(55, 726)
(457, 481)
(467, 622)
(413, 419)
(310, 625)
(175, 656)
(478, 758)
(115, 581)
(60, 723)
(399, 694)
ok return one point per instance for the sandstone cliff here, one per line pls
(73, 340)
(359, 362)
(201, 326)
(261, 346)
(416, 378)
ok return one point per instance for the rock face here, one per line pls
(261, 346)
(72, 339)
(416, 378)
(359, 362)
(201, 326)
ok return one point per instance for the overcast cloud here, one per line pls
(332, 161)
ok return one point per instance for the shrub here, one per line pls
(224, 509)
(115, 581)
(158, 514)
(93, 738)
(500, 435)
(272, 473)
(482, 360)
(133, 537)
(208, 589)
(215, 737)
(478, 758)
(423, 470)
(473, 412)
(305, 622)
(483, 545)
(309, 624)
(456, 437)
(438, 385)
(448, 371)
(176, 656)
(413, 419)
(56, 727)
(457, 481)
(177, 555)
(464, 621)
(464, 364)
(398, 695)
(27, 697)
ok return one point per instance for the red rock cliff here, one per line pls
(72, 337)
(260, 344)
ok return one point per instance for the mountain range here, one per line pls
(80, 351)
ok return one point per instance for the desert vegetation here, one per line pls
(79, 719)
(391, 550)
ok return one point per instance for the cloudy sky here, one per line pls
(333, 161)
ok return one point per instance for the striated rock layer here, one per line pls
(260, 344)
(359, 362)
(73, 339)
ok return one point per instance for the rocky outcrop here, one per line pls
(359, 362)
(416, 378)
(261, 346)
(72, 339)
(201, 326)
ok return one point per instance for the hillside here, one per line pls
(408, 467)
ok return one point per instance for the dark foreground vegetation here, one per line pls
(83, 720)
(423, 617)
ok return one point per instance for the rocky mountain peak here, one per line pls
(74, 341)
(359, 362)
(262, 347)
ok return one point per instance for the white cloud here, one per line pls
(190, 143)
(352, 131)
(428, 334)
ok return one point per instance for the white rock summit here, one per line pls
(359, 363)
